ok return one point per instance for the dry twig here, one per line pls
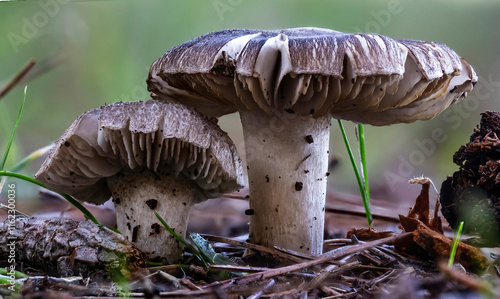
(334, 254)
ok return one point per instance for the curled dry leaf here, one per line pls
(368, 234)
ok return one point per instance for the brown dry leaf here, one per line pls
(438, 247)
(427, 240)
(368, 234)
(421, 209)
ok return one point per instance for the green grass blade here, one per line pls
(362, 156)
(454, 247)
(14, 131)
(199, 255)
(17, 274)
(35, 154)
(70, 199)
(356, 172)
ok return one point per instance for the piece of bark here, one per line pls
(64, 247)
(437, 246)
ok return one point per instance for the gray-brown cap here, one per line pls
(367, 78)
(168, 138)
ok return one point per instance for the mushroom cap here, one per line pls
(367, 78)
(167, 138)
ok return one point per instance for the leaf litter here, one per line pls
(364, 264)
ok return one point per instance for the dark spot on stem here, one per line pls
(299, 186)
(116, 201)
(135, 231)
(152, 203)
(155, 229)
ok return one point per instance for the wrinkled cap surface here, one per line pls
(367, 78)
(167, 138)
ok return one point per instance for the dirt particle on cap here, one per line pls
(309, 139)
(116, 200)
(299, 186)
(267, 178)
(67, 144)
(249, 212)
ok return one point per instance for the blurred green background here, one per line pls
(94, 52)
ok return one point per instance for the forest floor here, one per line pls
(406, 258)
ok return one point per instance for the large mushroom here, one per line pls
(149, 156)
(287, 85)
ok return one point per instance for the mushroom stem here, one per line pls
(287, 162)
(139, 193)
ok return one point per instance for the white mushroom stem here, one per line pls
(287, 159)
(137, 194)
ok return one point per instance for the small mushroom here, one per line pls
(149, 156)
(287, 85)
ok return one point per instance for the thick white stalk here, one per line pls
(137, 194)
(287, 159)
